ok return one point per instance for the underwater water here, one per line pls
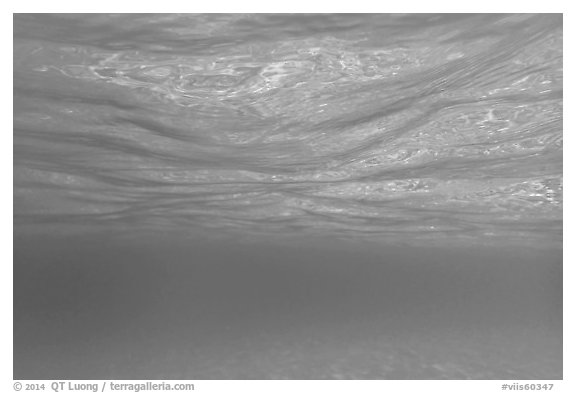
(256, 196)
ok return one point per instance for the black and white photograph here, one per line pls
(288, 196)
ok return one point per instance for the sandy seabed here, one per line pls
(98, 309)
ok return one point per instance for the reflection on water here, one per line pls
(288, 196)
(423, 127)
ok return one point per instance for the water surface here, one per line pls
(407, 126)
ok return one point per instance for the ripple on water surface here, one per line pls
(422, 127)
